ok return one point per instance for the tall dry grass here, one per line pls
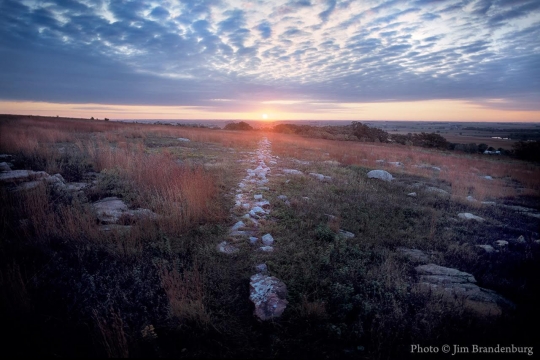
(464, 172)
(186, 294)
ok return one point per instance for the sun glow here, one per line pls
(265, 116)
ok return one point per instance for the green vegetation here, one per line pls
(71, 286)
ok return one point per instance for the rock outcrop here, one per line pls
(454, 285)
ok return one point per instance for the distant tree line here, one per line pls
(356, 131)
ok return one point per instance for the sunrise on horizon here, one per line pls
(296, 60)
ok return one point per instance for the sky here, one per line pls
(449, 60)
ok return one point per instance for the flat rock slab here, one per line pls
(455, 285)
(110, 209)
(469, 216)
(268, 294)
(380, 174)
(320, 177)
(183, 139)
(21, 175)
(292, 172)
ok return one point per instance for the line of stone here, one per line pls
(267, 293)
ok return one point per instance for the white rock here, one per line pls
(487, 177)
(346, 234)
(183, 139)
(487, 248)
(282, 197)
(267, 239)
(469, 216)
(396, 163)
(501, 243)
(257, 197)
(253, 240)
(413, 194)
(380, 174)
(521, 240)
(267, 248)
(292, 172)
(320, 177)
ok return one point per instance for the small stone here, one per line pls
(487, 248)
(183, 139)
(253, 240)
(267, 248)
(346, 234)
(267, 239)
(413, 194)
(501, 243)
(261, 268)
(469, 216)
(282, 197)
(521, 240)
(227, 248)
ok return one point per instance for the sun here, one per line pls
(265, 116)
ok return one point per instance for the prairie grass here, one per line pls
(158, 288)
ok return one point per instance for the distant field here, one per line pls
(465, 139)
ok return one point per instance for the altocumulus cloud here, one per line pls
(192, 52)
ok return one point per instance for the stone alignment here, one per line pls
(267, 293)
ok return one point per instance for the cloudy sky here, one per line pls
(299, 59)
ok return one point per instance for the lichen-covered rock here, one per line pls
(380, 174)
(455, 285)
(109, 210)
(268, 294)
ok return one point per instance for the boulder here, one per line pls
(457, 286)
(469, 216)
(4, 166)
(380, 174)
(268, 294)
(110, 209)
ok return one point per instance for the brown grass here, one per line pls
(186, 294)
(464, 172)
